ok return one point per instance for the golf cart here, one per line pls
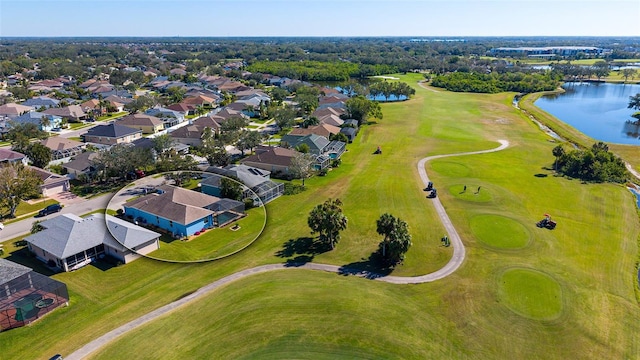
(546, 222)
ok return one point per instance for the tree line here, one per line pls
(320, 70)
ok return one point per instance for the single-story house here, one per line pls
(11, 157)
(324, 130)
(26, 295)
(13, 110)
(192, 134)
(168, 116)
(180, 211)
(184, 109)
(350, 133)
(111, 134)
(92, 106)
(258, 185)
(317, 144)
(81, 165)
(71, 112)
(147, 123)
(328, 111)
(62, 148)
(69, 242)
(200, 100)
(273, 159)
(51, 183)
(41, 101)
(229, 113)
(37, 118)
(331, 120)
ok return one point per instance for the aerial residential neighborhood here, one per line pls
(319, 180)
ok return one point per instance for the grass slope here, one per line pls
(304, 314)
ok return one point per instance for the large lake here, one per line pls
(599, 110)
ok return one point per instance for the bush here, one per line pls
(248, 203)
(323, 172)
(292, 189)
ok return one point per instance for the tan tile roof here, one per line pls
(273, 156)
(140, 120)
(60, 143)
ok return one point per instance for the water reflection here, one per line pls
(631, 129)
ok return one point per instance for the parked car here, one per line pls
(1, 226)
(54, 208)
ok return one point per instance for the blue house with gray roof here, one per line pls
(37, 119)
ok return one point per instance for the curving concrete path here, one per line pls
(448, 269)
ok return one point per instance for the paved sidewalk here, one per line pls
(449, 268)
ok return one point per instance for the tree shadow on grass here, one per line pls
(305, 247)
(371, 268)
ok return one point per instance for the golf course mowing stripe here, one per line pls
(500, 232)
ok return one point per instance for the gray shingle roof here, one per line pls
(112, 131)
(10, 270)
(68, 234)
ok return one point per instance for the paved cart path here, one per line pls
(448, 269)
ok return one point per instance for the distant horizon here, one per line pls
(318, 18)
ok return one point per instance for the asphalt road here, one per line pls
(22, 227)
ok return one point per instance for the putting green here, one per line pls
(450, 168)
(471, 193)
(531, 293)
(500, 232)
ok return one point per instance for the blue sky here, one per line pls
(320, 18)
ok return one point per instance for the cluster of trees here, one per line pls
(328, 220)
(361, 109)
(597, 164)
(388, 89)
(495, 83)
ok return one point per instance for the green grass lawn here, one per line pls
(481, 311)
(112, 116)
(24, 209)
(214, 243)
(531, 293)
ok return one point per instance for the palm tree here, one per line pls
(558, 151)
(45, 122)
